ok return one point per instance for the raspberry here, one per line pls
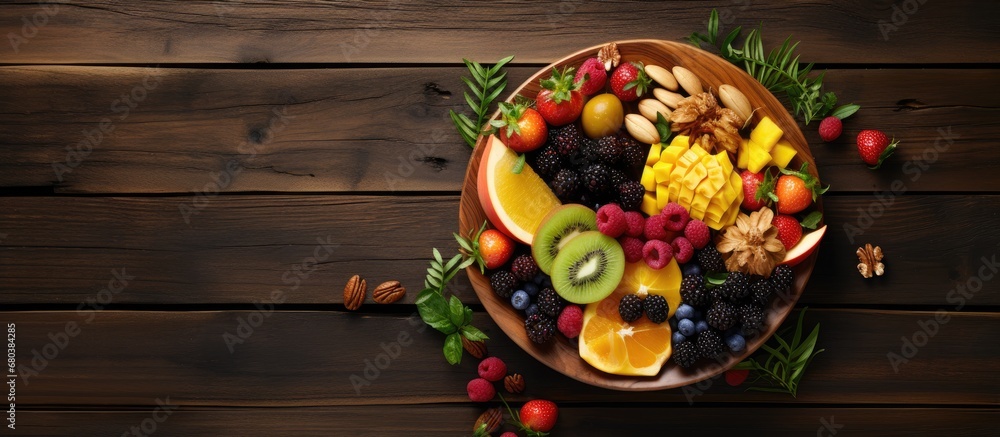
(570, 321)
(683, 250)
(524, 268)
(656, 227)
(632, 248)
(492, 369)
(636, 224)
(677, 216)
(480, 390)
(696, 231)
(611, 220)
(830, 128)
(657, 254)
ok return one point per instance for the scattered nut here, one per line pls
(388, 292)
(734, 99)
(514, 383)
(490, 421)
(354, 292)
(609, 56)
(669, 98)
(475, 348)
(870, 261)
(650, 107)
(641, 129)
(688, 81)
(662, 76)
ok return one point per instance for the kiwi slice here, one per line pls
(588, 268)
(557, 228)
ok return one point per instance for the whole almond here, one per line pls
(354, 292)
(641, 129)
(388, 292)
(475, 348)
(734, 99)
(662, 76)
(650, 107)
(668, 98)
(688, 81)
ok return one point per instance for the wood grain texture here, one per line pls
(408, 420)
(310, 358)
(238, 249)
(327, 130)
(405, 31)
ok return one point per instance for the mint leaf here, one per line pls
(473, 333)
(434, 311)
(812, 220)
(453, 348)
(456, 311)
(845, 111)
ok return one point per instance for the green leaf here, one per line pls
(434, 311)
(453, 348)
(468, 316)
(775, 353)
(472, 333)
(812, 220)
(716, 278)
(518, 165)
(456, 311)
(845, 111)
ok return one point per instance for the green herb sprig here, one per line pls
(779, 70)
(786, 362)
(486, 84)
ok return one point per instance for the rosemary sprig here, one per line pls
(486, 84)
(779, 70)
(786, 362)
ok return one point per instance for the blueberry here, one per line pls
(679, 338)
(736, 343)
(685, 311)
(701, 326)
(531, 288)
(686, 327)
(520, 300)
(539, 278)
(531, 310)
(691, 268)
(547, 282)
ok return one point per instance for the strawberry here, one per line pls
(538, 416)
(521, 128)
(629, 81)
(796, 190)
(735, 377)
(789, 230)
(495, 248)
(874, 146)
(830, 128)
(560, 101)
(591, 77)
(755, 189)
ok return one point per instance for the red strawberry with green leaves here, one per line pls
(537, 417)
(521, 128)
(629, 81)
(755, 189)
(495, 248)
(874, 147)
(591, 77)
(560, 101)
(796, 190)
(789, 230)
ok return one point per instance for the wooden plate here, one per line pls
(562, 354)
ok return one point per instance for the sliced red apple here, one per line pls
(805, 247)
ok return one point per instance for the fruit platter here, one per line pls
(649, 214)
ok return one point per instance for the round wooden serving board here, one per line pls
(561, 354)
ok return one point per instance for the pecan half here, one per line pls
(354, 292)
(514, 383)
(489, 421)
(388, 292)
(870, 261)
(475, 348)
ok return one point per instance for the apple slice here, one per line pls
(804, 248)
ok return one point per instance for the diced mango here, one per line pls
(782, 153)
(724, 162)
(662, 170)
(698, 206)
(673, 191)
(712, 183)
(681, 140)
(648, 205)
(672, 153)
(695, 176)
(654, 154)
(661, 198)
(648, 179)
(758, 158)
(743, 154)
(766, 134)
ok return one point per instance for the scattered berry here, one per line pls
(567, 140)
(531, 288)
(721, 316)
(752, 183)
(630, 195)
(610, 149)
(696, 231)
(685, 354)
(874, 147)
(710, 344)
(548, 162)
(656, 308)
(781, 278)
(492, 369)
(760, 291)
(522, 129)
(736, 343)
(830, 128)
(630, 308)
(678, 337)
(684, 311)
(524, 268)
(611, 220)
(629, 81)
(796, 190)
(540, 328)
(591, 77)
(539, 415)
(550, 303)
(738, 284)
(656, 227)
(710, 260)
(495, 248)
(480, 390)
(566, 184)
(531, 310)
(701, 326)
(677, 217)
(597, 179)
(559, 101)
(691, 268)
(686, 327)
(683, 250)
(632, 248)
(634, 156)
(751, 319)
(789, 230)
(636, 224)
(570, 321)
(657, 254)
(503, 283)
(520, 300)
(735, 377)
(693, 290)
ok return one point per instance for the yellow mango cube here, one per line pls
(662, 197)
(743, 154)
(758, 158)
(682, 141)
(766, 134)
(654, 154)
(648, 179)
(782, 153)
(648, 204)
(662, 170)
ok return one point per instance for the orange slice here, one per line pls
(514, 203)
(611, 345)
(643, 280)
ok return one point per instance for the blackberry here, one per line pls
(739, 285)
(630, 195)
(630, 308)
(634, 156)
(721, 316)
(503, 283)
(566, 140)
(550, 303)
(719, 293)
(710, 344)
(524, 268)
(540, 328)
(656, 308)
(781, 278)
(610, 149)
(626, 141)
(760, 291)
(588, 152)
(566, 184)
(710, 260)
(685, 354)
(548, 162)
(693, 291)
(597, 180)
(752, 318)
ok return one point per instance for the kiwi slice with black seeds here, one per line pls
(588, 268)
(557, 228)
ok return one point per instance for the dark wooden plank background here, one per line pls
(331, 117)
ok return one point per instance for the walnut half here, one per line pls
(870, 261)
